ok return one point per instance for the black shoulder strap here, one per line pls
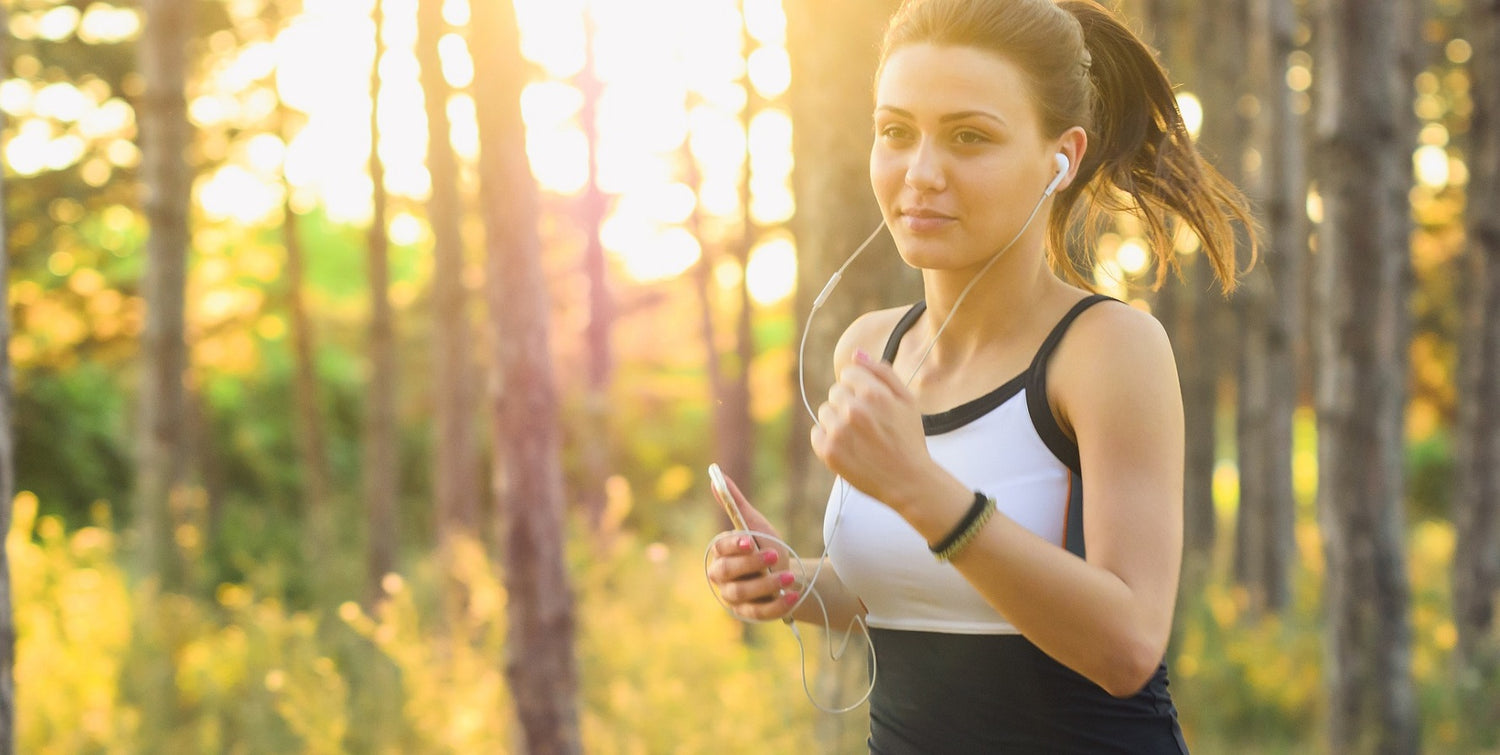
(1039, 362)
(1037, 404)
(907, 320)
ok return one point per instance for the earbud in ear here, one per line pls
(1062, 172)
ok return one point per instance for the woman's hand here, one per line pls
(870, 433)
(753, 576)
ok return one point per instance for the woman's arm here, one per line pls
(1115, 382)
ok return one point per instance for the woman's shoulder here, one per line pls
(868, 333)
(1115, 329)
(1114, 355)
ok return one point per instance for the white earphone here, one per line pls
(1062, 172)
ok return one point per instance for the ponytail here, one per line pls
(1143, 158)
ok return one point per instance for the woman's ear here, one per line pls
(1071, 146)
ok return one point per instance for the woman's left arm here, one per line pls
(1115, 384)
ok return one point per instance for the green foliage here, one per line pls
(1430, 474)
(70, 427)
(664, 669)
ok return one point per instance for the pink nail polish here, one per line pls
(791, 598)
(745, 543)
(861, 357)
(787, 578)
(770, 557)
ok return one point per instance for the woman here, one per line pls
(1032, 438)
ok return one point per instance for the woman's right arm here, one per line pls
(759, 581)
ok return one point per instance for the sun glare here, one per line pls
(1192, 113)
(771, 274)
(673, 150)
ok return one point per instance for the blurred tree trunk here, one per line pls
(1179, 305)
(381, 478)
(7, 473)
(703, 289)
(541, 667)
(311, 446)
(1476, 515)
(1207, 315)
(1271, 306)
(1364, 169)
(833, 46)
(735, 429)
(595, 207)
(167, 183)
(456, 487)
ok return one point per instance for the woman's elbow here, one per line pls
(1132, 669)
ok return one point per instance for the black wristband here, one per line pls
(973, 514)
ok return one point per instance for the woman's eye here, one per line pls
(892, 133)
(970, 137)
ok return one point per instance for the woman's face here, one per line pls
(959, 159)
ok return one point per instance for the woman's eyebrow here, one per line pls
(958, 116)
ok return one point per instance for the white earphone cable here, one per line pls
(809, 586)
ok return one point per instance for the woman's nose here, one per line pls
(924, 169)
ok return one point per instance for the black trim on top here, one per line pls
(1034, 379)
(893, 341)
(1073, 525)
(1037, 404)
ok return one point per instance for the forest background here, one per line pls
(322, 435)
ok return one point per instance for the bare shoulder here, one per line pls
(1120, 332)
(1114, 356)
(867, 333)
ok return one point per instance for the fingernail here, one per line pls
(861, 357)
(770, 557)
(787, 578)
(791, 598)
(744, 543)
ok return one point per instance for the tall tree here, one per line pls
(833, 47)
(1271, 309)
(381, 478)
(541, 666)
(167, 183)
(1364, 171)
(7, 473)
(1180, 305)
(311, 446)
(735, 429)
(455, 453)
(1476, 514)
(594, 207)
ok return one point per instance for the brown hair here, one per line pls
(1085, 68)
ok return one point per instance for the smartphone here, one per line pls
(720, 487)
(726, 499)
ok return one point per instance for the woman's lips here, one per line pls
(920, 220)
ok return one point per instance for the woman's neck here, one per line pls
(1000, 304)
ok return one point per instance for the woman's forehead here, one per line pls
(926, 79)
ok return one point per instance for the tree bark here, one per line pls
(736, 429)
(381, 470)
(311, 445)
(1272, 306)
(1476, 510)
(456, 488)
(541, 666)
(834, 47)
(1177, 305)
(166, 182)
(1364, 170)
(595, 207)
(7, 473)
